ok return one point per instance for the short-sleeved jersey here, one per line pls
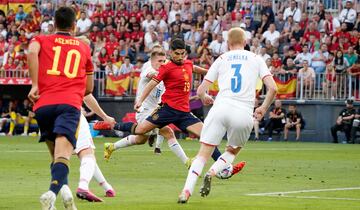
(293, 117)
(154, 97)
(346, 113)
(64, 62)
(237, 72)
(177, 81)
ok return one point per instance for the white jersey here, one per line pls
(154, 97)
(237, 72)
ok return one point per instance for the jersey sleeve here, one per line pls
(212, 74)
(37, 39)
(162, 74)
(89, 67)
(264, 70)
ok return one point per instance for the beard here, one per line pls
(178, 62)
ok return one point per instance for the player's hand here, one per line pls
(110, 120)
(137, 106)
(207, 100)
(34, 94)
(259, 113)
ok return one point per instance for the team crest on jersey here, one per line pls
(155, 116)
(186, 77)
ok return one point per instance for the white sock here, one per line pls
(177, 149)
(224, 160)
(125, 142)
(99, 177)
(159, 141)
(87, 168)
(194, 173)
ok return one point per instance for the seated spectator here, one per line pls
(148, 22)
(263, 54)
(20, 15)
(330, 23)
(205, 59)
(348, 15)
(318, 63)
(218, 46)
(103, 58)
(8, 115)
(83, 24)
(344, 122)
(192, 38)
(25, 116)
(276, 118)
(350, 56)
(294, 120)
(212, 26)
(290, 54)
(270, 49)
(276, 62)
(306, 78)
(293, 11)
(289, 67)
(301, 57)
(271, 35)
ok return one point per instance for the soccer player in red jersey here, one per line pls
(175, 108)
(61, 72)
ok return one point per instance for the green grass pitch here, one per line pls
(146, 181)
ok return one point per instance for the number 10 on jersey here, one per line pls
(236, 79)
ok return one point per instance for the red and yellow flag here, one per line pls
(135, 83)
(117, 85)
(214, 88)
(286, 89)
(13, 4)
(4, 5)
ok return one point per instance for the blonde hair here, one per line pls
(236, 36)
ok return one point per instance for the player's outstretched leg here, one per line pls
(87, 169)
(99, 177)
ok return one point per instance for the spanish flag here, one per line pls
(4, 6)
(14, 4)
(286, 89)
(135, 83)
(117, 85)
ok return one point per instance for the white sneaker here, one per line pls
(47, 201)
(67, 198)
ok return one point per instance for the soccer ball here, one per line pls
(225, 173)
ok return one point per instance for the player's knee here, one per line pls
(233, 150)
(85, 152)
(167, 133)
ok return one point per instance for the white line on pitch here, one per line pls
(318, 197)
(303, 191)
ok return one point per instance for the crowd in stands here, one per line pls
(122, 34)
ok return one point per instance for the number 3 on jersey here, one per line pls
(69, 56)
(236, 79)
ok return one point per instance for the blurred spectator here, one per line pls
(305, 55)
(264, 24)
(276, 118)
(199, 11)
(212, 26)
(318, 61)
(330, 81)
(45, 23)
(192, 38)
(103, 57)
(279, 21)
(83, 24)
(340, 63)
(188, 23)
(263, 54)
(159, 9)
(148, 22)
(350, 56)
(344, 122)
(206, 59)
(175, 10)
(294, 121)
(267, 10)
(20, 15)
(330, 23)
(307, 77)
(272, 35)
(289, 67)
(111, 69)
(126, 67)
(218, 46)
(293, 11)
(348, 15)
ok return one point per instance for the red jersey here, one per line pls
(276, 63)
(123, 13)
(177, 82)
(136, 35)
(111, 46)
(64, 62)
(93, 35)
(107, 13)
(308, 33)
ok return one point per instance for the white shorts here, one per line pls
(141, 116)
(223, 118)
(84, 139)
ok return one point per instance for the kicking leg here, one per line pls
(128, 141)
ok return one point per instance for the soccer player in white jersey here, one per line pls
(85, 151)
(149, 105)
(237, 72)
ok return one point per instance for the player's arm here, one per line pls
(148, 88)
(94, 106)
(199, 70)
(33, 62)
(89, 84)
(270, 96)
(201, 92)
